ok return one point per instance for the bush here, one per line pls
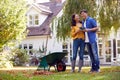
(21, 57)
(5, 62)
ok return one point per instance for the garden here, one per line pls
(106, 73)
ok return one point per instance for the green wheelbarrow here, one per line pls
(53, 59)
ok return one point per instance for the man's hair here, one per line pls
(84, 10)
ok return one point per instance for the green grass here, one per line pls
(107, 73)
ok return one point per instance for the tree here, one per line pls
(72, 6)
(12, 21)
(107, 13)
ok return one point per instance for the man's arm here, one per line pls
(94, 28)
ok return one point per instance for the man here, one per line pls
(90, 30)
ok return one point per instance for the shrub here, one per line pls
(5, 62)
(21, 57)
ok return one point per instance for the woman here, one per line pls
(78, 41)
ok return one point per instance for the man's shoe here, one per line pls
(97, 71)
(91, 72)
(94, 71)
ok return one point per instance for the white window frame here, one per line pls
(111, 54)
(27, 48)
(117, 47)
(33, 19)
(69, 50)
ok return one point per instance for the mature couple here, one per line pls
(84, 34)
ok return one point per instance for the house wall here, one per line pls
(111, 48)
(39, 41)
(54, 45)
(36, 41)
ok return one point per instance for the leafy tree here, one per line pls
(12, 21)
(107, 13)
(72, 6)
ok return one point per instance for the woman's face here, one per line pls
(77, 18)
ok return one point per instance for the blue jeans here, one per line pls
(78, 43)
(93, 52)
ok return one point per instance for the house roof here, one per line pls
(44, 28)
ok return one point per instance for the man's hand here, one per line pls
(85, 30)
(92, 29)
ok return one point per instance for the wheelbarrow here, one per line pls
(53, 59)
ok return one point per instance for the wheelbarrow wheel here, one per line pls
(61, 66)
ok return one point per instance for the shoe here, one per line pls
(94, 71)
(90, 71)
(97, 71)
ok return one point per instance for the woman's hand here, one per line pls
(77, 31)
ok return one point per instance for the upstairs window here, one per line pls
(34, 20)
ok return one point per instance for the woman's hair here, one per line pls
(73, 23)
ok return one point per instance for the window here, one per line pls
(30, 20)
(65, 49)
(100, 46)
(108, 51)
(28, 48)
(20, 46)
(34, 20)
(118, 44)
(25, 46)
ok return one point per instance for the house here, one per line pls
(41, 37)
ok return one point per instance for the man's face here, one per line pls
(83, 15)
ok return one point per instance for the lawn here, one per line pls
(107, 73)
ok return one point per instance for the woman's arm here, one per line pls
(74, 32)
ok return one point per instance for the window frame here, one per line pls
(33, 19)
